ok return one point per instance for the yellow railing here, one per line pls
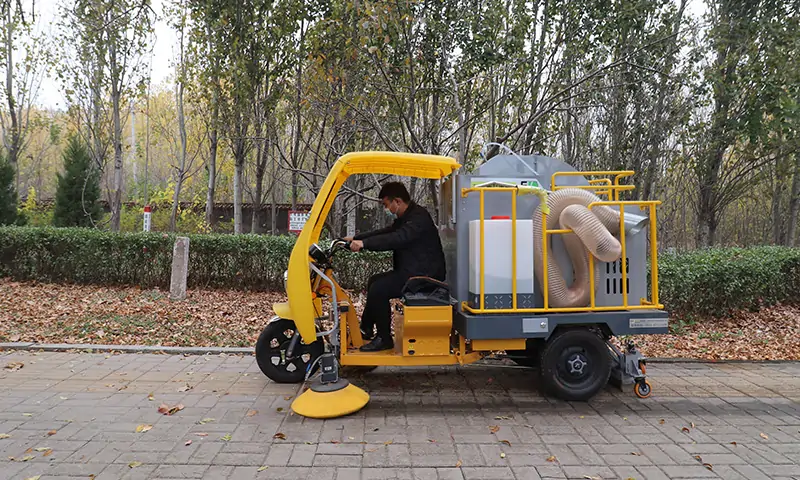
(649, 205)
(600, 186)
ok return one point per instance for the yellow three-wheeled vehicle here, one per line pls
(500, 225)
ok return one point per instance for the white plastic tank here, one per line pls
(498, 261)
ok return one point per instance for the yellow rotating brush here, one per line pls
(330, 396)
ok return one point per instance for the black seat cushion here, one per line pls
(426, 291)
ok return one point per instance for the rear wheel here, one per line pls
(575, 365)
(271, 350)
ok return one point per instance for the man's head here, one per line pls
(395, 198)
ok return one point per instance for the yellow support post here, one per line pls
(653, 256)
(544, 260)
(624, 258)
(482, 304)
(514, 249)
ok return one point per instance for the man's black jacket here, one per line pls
(415, 241)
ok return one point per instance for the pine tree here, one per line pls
(78, 188)
(8, 196)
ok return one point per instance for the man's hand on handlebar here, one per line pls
(356, 245)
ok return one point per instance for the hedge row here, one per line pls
(719, 280)
(712, 281)
(87, 256)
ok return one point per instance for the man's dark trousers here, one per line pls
(381, 288)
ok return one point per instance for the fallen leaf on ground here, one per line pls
(764, 436)
(201, 434)
(734, 443)
(279, 409)
(506, 442)
(708, 466)
(29, 450)
(185, 388)
(662, 422)
(188, 442)
(503, 417)
(692, 424)
(552, 458)
(14, 366)
(636, 453)
(698, 458)
(458, 464)
(167, 410)
(143, 428)
(494, 428)
(51, 433)
(227, 437)
(502, 455)
(151, 397)
(279, 435)
(37, 477)
(252, 413)
(686, 430)
(134, 464)
(388, 442)
(27, 414)
(288, 398)
(4, 435)
(261, 469)
(589, 477)
(335, 442)
(42, 449)
(47, 453)
(206, 420)
(27, 457)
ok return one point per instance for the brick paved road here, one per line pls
(743, 420)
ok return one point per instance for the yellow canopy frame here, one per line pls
(300, 307)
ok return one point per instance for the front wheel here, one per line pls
(271, 350)
(575, 365)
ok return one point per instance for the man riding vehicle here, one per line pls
(417, 252)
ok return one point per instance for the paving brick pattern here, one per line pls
(73, 415)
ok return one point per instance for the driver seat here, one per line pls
(426, 292)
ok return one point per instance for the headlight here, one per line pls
(285, 279)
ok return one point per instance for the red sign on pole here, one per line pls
(297, 220)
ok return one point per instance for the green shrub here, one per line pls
(8, 196)
(87, 256)
(719, 280)
(78, 188)
(713, 281)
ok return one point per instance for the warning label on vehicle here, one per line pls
(648, 322)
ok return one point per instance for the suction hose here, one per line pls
(594, 231)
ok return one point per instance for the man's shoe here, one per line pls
(378, 344)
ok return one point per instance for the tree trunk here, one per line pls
(298, 120)
(657, 127)
(237, 196)
(212, 169)
(794, 204)
(181, 156)
(777, 197)
(13, 145)
(273, 217)
(116, 199)
(261, 169)
(212, 136)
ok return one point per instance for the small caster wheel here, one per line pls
(642, 389)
